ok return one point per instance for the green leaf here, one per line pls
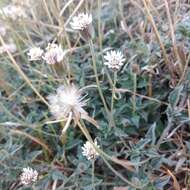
(175, 96)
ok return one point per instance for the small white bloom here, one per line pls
(88, 150)
(68, 99)
(114, 60)
(54, 54)
(13, 12)
(81, 21)
(35, 53)
(28, 176)
(8, 47)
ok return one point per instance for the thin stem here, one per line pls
(150, 18)
(93, 168)
(48, 12)
(134, 91)
(67, 123)
(110, 117)
(99, 24)
(104, 156)
(188, 106)
(173, 35)
(184, 70)
(113, 92)
(150, 85)
(18, 69)
(96, 75)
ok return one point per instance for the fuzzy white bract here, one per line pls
(81, 21)
(28, 176)
(13, 12)
(88, 150)
(35, 53)
(68, 99)
(114, 59)
(54, 54)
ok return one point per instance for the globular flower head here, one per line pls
(68, 99)
(54, 54)
(88, 150)
(114, 59)
(35, 53)
(28, 176)
(13, 12)
(83, 23)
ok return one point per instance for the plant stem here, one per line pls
(113, 92)
(18, 69)
(150, 18)
(96, 75)
(150, 85)
(110, 117)
(173, 36)
(93, 168)
(66, 126)
(104, 156)
(99, 24)
(134, 91)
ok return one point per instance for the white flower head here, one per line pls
(13, 12)
(54, 54)
(81, 21)
(114, 59)
(35, 53)
(68, 99)
(28, 176)
(88, 150)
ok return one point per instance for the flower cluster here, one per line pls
(54, 54)
(13, 12)
(81, 21)
(35, 53)
(114, 60)
(28, 176)
(88, 150)
(68, 99)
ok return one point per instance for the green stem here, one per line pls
(99, 25)
(110, 117)
(113, 92)
(134, 91)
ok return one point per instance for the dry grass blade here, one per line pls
(36, 140)
(23, 75)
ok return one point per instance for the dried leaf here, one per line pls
(176, 185)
